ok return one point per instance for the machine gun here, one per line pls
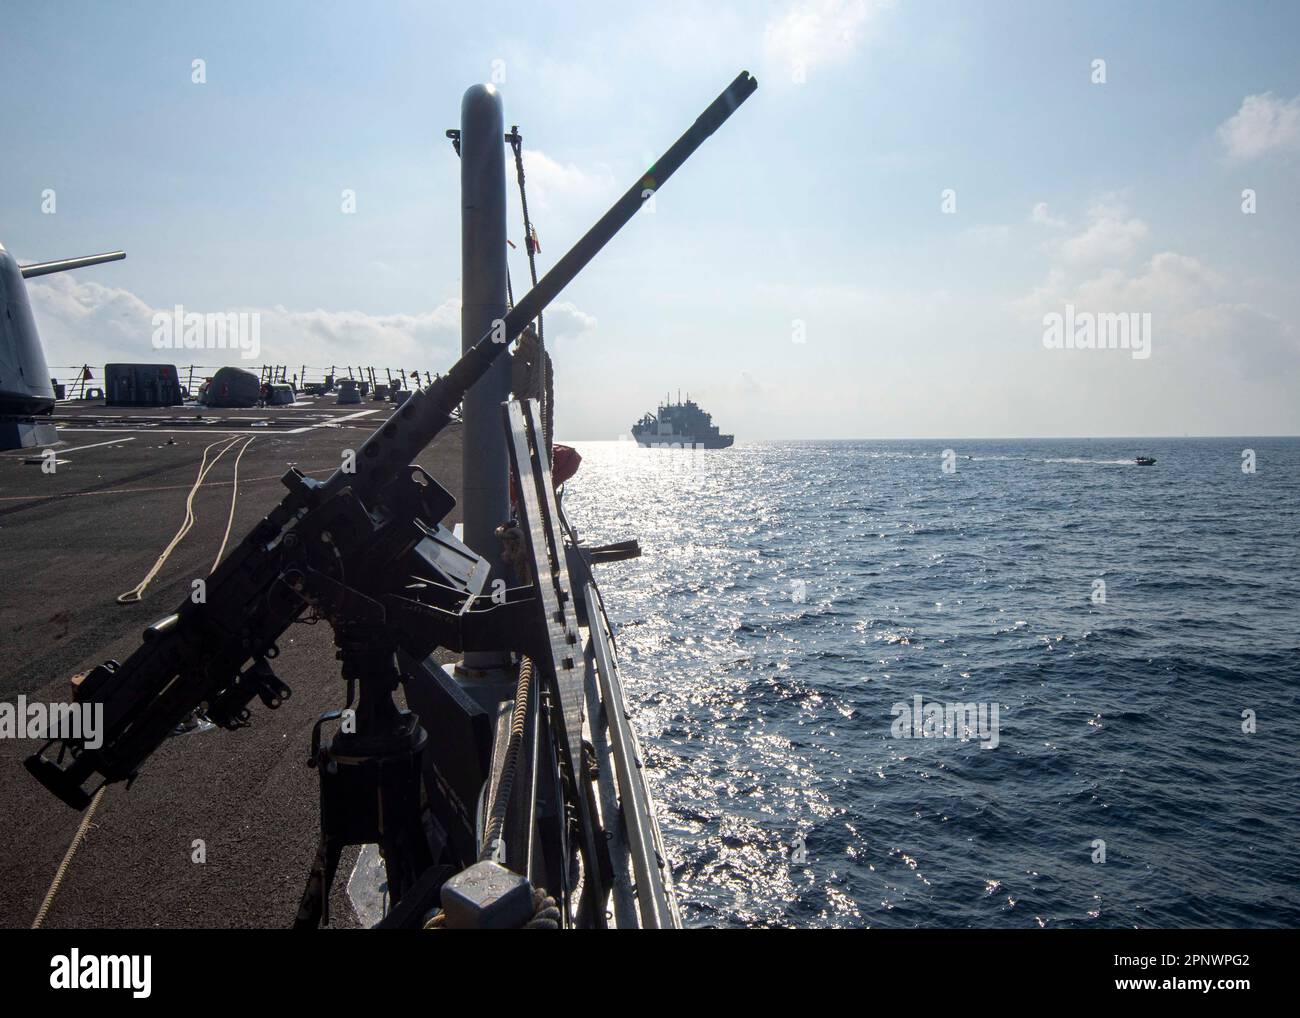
(347, 549)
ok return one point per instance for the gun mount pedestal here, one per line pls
(371, 785)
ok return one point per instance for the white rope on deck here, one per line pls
(137, 592)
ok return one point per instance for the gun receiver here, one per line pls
(332, 546)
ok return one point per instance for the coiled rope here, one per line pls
(546, 912)
(497, 815)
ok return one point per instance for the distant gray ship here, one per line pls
(680, 424)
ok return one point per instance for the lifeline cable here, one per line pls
(542, 380)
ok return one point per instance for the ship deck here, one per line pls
(72, 541)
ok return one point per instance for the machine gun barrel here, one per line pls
(198, 654)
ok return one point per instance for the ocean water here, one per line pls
(791, 594)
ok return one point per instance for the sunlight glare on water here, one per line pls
(790, 594)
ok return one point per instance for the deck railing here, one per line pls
(78, 380)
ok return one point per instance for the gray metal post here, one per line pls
(485, 498)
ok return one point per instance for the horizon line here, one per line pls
(981, 438)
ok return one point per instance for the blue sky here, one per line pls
(816, 213)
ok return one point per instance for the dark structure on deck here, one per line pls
(142, 385)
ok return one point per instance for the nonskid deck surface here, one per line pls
(71, 541)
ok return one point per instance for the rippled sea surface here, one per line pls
(790, 594)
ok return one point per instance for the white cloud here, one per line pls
(86, 322)
(813, 32)
(1256, 343)
(1167, 283)
(1194, 321)
(1110, 236)
(551, 183)
(1042, 217)
(564, 321)
(428, 340)
(1217, 364)
(1200, 325)
(1264, 124)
